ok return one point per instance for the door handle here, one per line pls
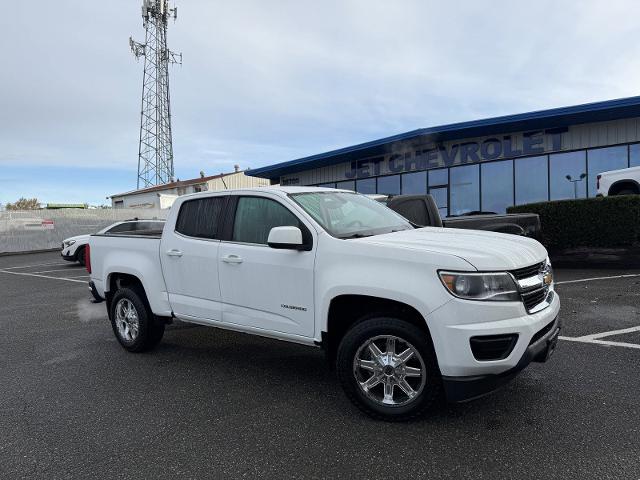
(174, 253)
(232, 259)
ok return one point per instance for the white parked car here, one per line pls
(73, 248)
(407, 315)
(625, 181)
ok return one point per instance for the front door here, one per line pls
(263, 287)
(189, 257)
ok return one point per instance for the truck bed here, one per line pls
(134, 254)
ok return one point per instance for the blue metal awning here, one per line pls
(542, 119)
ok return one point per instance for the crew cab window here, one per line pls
(256, 216)
(199, 218)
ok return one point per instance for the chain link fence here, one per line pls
(29, 230)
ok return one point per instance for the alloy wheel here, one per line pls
(127, 320)
(389, 370)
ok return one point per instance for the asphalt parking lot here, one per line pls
(210, 403)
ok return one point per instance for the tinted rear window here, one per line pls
(199, 218)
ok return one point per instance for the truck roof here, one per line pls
(277, 189)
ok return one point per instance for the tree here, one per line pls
(24, 204)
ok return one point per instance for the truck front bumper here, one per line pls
(68, 256)
(461, 389)
(482, 345)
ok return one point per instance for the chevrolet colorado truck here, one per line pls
(407, 315)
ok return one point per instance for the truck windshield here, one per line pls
(350, 215)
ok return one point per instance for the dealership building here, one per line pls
(484, 165)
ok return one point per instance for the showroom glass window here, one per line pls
(438, 177)
(634, 155)
(572, 164)
(464, 183)
(532, 180)
(414, 183)
(497, 186)
(439, 189)
(366, 185)
(602, 160)
(389, 185)
(348, 185)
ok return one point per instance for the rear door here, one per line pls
(189, 256)
(263, 287)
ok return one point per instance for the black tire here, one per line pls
(81, 256)
(627, 191)
(427, 399)
(150, 330)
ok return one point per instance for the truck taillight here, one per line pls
(598, 181)
(87, 258)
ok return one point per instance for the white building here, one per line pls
(162, 196)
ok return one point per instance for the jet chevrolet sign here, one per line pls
(438, 156)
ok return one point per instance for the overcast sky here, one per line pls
(269, 81)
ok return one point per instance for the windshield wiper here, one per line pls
(356, 235)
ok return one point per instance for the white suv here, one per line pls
(74, 248)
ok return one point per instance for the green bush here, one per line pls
(602, 222)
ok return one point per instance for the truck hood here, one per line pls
(486, 251)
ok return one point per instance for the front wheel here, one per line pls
(133, 323)
(388, 368)
(82, 259)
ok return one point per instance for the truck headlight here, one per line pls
(68, 243)
(498, 287)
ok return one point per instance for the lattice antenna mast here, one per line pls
(155, 152)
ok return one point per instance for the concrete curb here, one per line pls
(44, 250)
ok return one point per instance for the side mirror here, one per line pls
(286, 238)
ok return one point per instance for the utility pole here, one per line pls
(155, 150)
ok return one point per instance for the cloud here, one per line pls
(263, 82)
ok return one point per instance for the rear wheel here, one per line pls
(133, 323)
(82, 258)
(388, 368)
(626, 191)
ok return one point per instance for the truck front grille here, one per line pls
(526, 272)
(533, 298)
(532, 291)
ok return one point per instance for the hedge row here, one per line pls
(591, 222)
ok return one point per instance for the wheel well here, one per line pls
(120, 280)
(347, 310)
(624, 185)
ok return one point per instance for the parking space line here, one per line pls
(42, 276)
(629, 275)
(596, 336)
(36, 265)
(68, 269)
(600, 342)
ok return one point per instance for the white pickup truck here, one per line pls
(407, 315)
(625, 181)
